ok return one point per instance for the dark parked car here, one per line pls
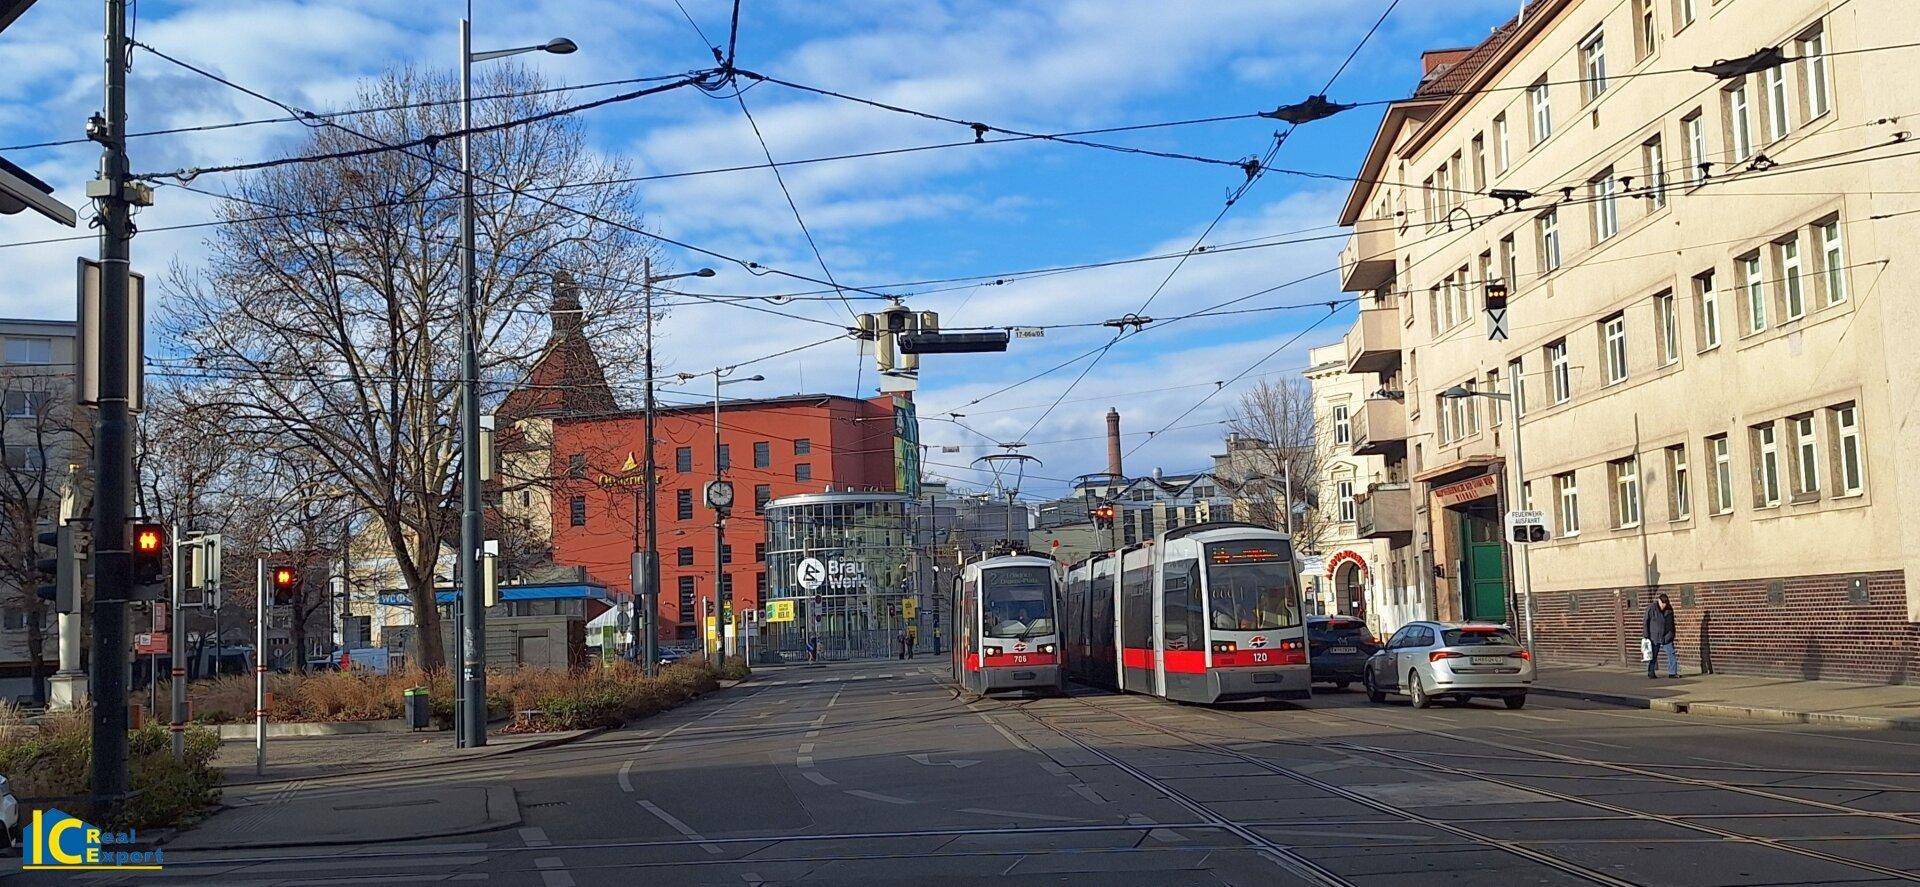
(1338, 648)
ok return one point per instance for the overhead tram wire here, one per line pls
(1291, 340)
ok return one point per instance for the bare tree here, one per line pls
(37, 432)
(1272, 438)
(341, 322)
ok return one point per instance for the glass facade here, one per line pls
(860, 544)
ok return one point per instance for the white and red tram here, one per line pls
(1006, 624)
(1204, 613)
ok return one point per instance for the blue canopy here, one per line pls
(567, 591)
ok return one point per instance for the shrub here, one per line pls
(735, 670)
(53, 764)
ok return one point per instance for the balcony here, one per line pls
(1373, 345)
(1366, 262)
(1385, 511)
(1380, 429)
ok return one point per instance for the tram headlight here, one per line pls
(1224, 646)
(1045, 648)
(991, 651)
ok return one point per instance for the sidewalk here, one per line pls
(322, 756)
(1877, 706)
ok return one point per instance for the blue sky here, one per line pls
(1041, 66)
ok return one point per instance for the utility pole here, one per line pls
(473, 630)
(647, 561)
(722, 590)
(113, 434)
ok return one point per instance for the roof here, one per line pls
(732, 404)
(563, 591)
(567, 378)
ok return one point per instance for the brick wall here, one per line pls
(1810, 627)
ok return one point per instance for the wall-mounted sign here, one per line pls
(1346, 556)
(1467, 490)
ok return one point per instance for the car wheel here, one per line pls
(1515, 702)
(1374, 694)
(1416, 692)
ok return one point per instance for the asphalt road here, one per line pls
(877, 773)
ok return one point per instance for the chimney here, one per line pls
(567, 316)
(1113, 443)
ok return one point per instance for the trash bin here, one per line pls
(419, 708)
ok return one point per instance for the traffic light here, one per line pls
(1103, 515)
(286, 583)
(147, 544)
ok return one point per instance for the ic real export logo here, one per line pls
(56, 840)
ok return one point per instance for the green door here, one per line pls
(1484, 585)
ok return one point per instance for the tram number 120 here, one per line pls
(1259, 657)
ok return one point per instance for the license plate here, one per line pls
(1342, 650)
(1489, 660)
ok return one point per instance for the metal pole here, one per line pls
(473, 644)
(260, 669)
(1520, 493)
(177, 654)
(1286, 506)
(650, 568)
(721, 591)
(113, 441)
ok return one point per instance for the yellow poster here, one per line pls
(909, 607)
(780, 611)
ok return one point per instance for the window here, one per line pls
(1667, 323)
(1721, 482)
(1469, 408)
(30, 351)
(26, 404)
(1515, 372)
(1806, 456)
(802, 446)
(1626, 491)
(1833, 261)
(1645, 33)
(760, 585)
(1342, 428)
(762, 494)
(683, 504)
(1343, 490)
(1567, 500)
(1679, 484)
(1548, 225)
(1739, 122)
(1683, 13)
(1793, 298)
(1526, 495)
(1813, 52)
(762, 454)
(1613, 345)
(724, 457)
(683, 556)
(686, 599)
(1756, 292)
(1766, 466)
(1501, 156)
(1462, 281)
(577, 511)
(726, 554)
(1559, 372)
(1593, 65)
(1606, 209)
(1849, 468)
(1696, 148)
(1709, 300)
(760, 553)
(683, 459)
(802, 471)
(1541, 101)
(1427, 203)
(1509, 265)
(1777, 120)
(1493, 403)
(1433, 309)
(1444, 408)
(1478, 157)
(1653, 156)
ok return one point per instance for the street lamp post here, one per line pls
(473, 727)
(644, 576)
(722, 589)
(1512, 397)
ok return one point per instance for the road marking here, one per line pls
(1093, 797)
(1054, 768)
(626, 777)
(956, 763)
(803, 760)
(876, 796)
(535, 836)
(817, 778)
(680, 827)
(1599, 743)
(806, 748)
(1538, 718)
(553, 872)
(1015, 814)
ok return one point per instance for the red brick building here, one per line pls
(771, 448)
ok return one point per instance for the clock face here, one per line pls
(720, 494)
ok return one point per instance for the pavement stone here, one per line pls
(1877, 706)
(292, 818)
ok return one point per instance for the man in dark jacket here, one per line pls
(1659, 631)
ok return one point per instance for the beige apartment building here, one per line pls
(36, 402)
(1709, 280)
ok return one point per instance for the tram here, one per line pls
(1204, 613)
(1006, 629)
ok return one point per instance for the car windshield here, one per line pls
(1478, 636)
(1251, 587)
(1339, 631)
(1017, 602)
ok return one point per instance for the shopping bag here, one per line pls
(1646, 649)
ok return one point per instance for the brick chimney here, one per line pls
(1113, 443)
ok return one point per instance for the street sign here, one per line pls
(780, 611)
(1526, 527)
(1496, 321)
(812, 573)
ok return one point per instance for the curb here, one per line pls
(535, 745)
(497, 796)
(1739, 712)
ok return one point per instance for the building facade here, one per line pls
(1705, 285)
(862, 593)
(36, 416)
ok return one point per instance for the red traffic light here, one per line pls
(149, 540)
(285, 578)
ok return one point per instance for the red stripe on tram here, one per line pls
(1186, 661)
(1134, 657)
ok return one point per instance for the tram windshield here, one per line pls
(1017, 602)
(1251, 586)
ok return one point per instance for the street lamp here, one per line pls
(1519, 487)
(644, 571)
(473, 721)
(722, 590)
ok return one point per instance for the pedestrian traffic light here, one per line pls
(48, 568)
(147, 551)
(1103, 515)
(286, 583)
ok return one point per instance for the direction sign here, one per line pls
(812, 573)
(1525, 527)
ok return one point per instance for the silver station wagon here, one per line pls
(1425, 661)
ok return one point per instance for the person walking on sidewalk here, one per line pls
(1660, 633)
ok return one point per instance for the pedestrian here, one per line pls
(813, 649)
(902, 641)
(1660, 635)
(913, 639)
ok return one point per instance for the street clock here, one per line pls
(719, 494)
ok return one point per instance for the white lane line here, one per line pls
(1599, 743)
(806, 748)
(535, 836)
(680, 827)
(817, 778)
(1015, 814)
(1538, 718)
(803, 760)
(553, 872)
(876, 796)
(626, 777)
(1093, 797)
